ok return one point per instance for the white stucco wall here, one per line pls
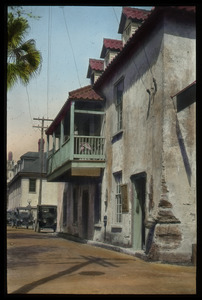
(137, 150)
(180, 66)
(149, 142)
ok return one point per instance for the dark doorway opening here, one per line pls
(85, 213)
(138, 230)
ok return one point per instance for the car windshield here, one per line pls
(48, 210)
(24, 213)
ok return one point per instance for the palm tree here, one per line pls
(23, 59)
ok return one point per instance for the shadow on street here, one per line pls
(88, 260)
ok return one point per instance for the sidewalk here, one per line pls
(129, 251)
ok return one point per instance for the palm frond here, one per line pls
(13, 75)
(17, 28)
(24, 60)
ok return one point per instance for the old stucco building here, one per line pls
(141, 175)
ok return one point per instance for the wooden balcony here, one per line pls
(78, 156)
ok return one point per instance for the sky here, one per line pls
(66, 36)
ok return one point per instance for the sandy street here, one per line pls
(43, 263)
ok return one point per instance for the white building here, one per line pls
(10, 167)
(23, 188)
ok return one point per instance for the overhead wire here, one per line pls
(71, 45)
(148, 61)
(49, 56)
(150, 69)
(28, 101)
(139, 75)
(115, 15)
(29, 105)
(26, 88)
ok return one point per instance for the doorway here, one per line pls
(138, 215)
(85, 210)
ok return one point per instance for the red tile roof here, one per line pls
(111, 44)
(96, 65)
(83, 94)
(135, 14)
(134, 42)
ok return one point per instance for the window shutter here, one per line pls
(124, 196)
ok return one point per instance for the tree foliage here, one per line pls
(18, 11)
(23, 59)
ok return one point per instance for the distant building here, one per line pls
(23, 188)
(10, 167)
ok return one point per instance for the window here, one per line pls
(119, 103)
(92, 78)
(32, 185)
(127, 30)
(118, 198)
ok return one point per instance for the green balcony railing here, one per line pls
(82, 148)
(89, 147)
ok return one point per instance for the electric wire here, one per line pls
(29, 104)
(71, 46)
(115, 15)
(31, 119)
(150, 68)
(49, 56)
(139, 75)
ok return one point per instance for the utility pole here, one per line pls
(41, 153)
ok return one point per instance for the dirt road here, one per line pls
(42, 263)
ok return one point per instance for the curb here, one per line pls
(128, 251)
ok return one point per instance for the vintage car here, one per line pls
(46, 217)
(9, 217)
(22, 216)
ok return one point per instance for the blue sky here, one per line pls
(47, 92)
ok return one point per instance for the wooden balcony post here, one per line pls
(47, 146)
(72, 131)
(61, 132)
(54, 142)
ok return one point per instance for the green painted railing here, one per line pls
(89, 147)
(82, 148)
